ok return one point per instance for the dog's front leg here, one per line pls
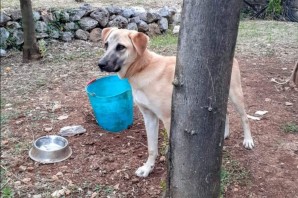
(151, 125)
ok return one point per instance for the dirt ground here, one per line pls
(34, 95)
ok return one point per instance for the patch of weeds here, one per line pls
(274, 8)
(164, 40)
(163, 185)
(107, 190)
(290, 128)
(42, 45)
(232, 173)
(165, 142)
(8, 115)
(7, 192)
(21, 147)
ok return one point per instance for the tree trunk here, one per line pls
(204, 61)
(30, 48)
(294, 76)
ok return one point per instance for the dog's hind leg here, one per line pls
(237, 99)
(151, 125)
(227, 127)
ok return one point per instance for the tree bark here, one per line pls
(30, 48)
(206, 47)
(294, 76)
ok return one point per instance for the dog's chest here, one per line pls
(140, 98)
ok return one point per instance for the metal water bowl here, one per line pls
(50, 149)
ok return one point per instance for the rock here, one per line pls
(55, 178)
(88, 8)
(95, 35)
(177, 18)
(154, 29)
(76, 14)
(143, 26)
(54, 34)
(138, 10)
(152, 17)
(93, 195)
(17, 183)
(267, 100)
(16, 15)
(136, 20)
(71, 130)
(65, 36)
(22, 168)
(26, 180)
(37, 196)
(63, 117)
(18, 36)
(163, 24)
(2, 52)
(59, 174)
(36, 16)
(4, 34)
(87, 23)
(128, 12)
(12, 25)
(41, 26)
(162, 159)
(132, 26)
(119, 21)
(48, 129)
(82, 34)
(4, 18)
(288, 104)
(102, 15)
(114, 9)
(176, 29)
(135, 180)
(41, 35)
(70, 26)
(47, 16)
(64, 16)
(166, 12)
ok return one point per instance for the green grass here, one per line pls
(7, 192)
(232, 173)
(165, 40)
(290, 128)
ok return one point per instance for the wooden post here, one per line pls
(206, 47)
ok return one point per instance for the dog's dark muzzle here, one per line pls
(105, 66)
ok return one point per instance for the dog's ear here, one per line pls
(106, 32)
(139, 41)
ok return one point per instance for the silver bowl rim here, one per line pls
(48, 136)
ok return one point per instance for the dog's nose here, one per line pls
(102, 64)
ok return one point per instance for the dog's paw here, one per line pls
(144, 171)
(248, 143)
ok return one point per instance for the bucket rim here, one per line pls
(96, 79)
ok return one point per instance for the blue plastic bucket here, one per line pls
(112, 102)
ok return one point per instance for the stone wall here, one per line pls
(85, 23)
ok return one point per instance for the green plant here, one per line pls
(274, 8)
(165, 142)
(42, 45)
(167, 39)
(7, 192)
(163, 185)
(290, 128)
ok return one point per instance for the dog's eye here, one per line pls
(120, 47)
(106, 45)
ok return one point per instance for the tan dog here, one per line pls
(151, 76)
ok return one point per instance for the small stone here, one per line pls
(87, 23)
(30, 168)
(93, 195)
(82, 34)
(135, 180)
(59, 174)
(17, 183)
(2, 52)
(4, 18)
(22, 168)
(37, 196)
(267, 99)
(235, 189)
(71, 130)
(26, 180)
(66, 36)
(48, 129)
(176, 29)
(4, 142)
(62, 117)
(95, 35)
(289, 104)
(162, 159)
(55, 177)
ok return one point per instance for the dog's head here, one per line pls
(122, 47)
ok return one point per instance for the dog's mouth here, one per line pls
(109, 69)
